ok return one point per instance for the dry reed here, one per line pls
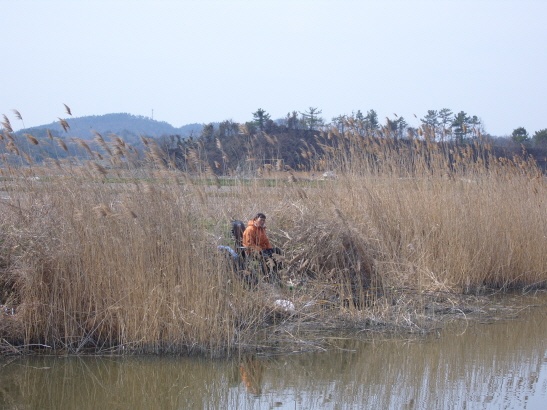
(124, 257)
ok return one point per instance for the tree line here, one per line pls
(295, 140)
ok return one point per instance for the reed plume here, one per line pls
(32, 139)
(64, 124)
(62, 144)
(7, 124)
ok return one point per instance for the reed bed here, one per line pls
(120, 255)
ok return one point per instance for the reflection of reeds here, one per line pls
(129, 259)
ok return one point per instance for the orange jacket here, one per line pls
(255, 238)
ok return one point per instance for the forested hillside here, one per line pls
(128, 126)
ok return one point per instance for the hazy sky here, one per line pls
(204, 61)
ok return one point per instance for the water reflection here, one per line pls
(251, 370)
(498, 365)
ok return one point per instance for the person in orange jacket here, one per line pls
(255, 238)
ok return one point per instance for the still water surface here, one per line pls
(499, 365)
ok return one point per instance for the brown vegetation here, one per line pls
(106, 255)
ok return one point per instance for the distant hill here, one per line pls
(129, 127)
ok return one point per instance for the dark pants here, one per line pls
(267, 253)
(270, 262)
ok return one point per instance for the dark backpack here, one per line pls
(238, 227)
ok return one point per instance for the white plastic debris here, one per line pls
(285, 305)
(329, 175)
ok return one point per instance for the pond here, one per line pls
(468, 365)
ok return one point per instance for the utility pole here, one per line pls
(152, 113)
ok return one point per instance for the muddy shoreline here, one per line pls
(296, 331)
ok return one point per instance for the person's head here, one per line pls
(259, 219)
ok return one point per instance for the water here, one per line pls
(469, 366)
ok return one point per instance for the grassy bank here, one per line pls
(124, 258)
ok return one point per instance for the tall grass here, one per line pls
(120, 253)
